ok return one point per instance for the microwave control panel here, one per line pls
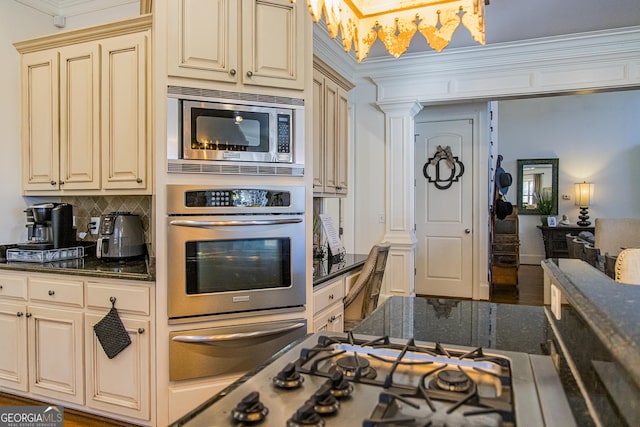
(284, 133)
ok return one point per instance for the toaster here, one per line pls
(121, 236)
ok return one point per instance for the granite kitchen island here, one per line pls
(470, 324)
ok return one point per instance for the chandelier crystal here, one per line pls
(395, 22)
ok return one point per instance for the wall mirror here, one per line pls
(537, 186)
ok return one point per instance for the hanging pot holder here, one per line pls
(111, 332)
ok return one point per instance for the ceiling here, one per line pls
(505, 20)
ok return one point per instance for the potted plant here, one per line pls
(544, 206)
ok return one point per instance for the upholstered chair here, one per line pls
(362, 297)
(628, 266)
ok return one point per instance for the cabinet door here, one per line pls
(204, 39)
(330, 320)
(13, 339)
(122, 384)
(273, 38)
(40, 131)
(56, 354)
(342, 141)
(318, 131)
(79, 117)
(124, 112)
(330, 135)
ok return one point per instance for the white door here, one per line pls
(444, 252)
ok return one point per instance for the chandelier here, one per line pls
(395, 22)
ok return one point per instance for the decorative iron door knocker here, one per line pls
(455, 165)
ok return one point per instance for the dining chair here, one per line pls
(363, 296)
(610, 265)
(591, 255)
(576, 248)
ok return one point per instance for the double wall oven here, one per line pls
(235, 249)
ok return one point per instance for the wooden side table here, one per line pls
(555, 242)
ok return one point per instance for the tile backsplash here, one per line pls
(85, 207)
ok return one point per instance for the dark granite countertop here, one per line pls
(600, 330)
(134, 269)
(461, 322)
(325, 269)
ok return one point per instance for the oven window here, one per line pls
(229, 130)
(238, 265)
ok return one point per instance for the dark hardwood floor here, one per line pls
(72, 418)
(530, 289)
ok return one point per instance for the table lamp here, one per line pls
(583, 198)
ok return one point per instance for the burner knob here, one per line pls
(340, 386)
(305, 416)
(250, 409)
(324, 402)
(288, 377)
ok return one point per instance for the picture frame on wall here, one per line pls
(552, 221)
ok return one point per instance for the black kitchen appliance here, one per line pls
(121, 236)
(49, 226)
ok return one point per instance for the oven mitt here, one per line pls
(111, 333)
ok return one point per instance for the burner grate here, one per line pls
(408, 375)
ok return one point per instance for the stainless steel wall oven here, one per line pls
(234, 249)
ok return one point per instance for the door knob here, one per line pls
(467, 230)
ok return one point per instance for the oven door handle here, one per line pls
(206, 224)
(213, 339)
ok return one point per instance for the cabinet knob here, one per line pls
(331, 296)
(467, 231)
(53, 183)
(51, 293)
(1, 287)
(61, 182)
(249, 73)
(141, 330)
(28, 315)
(232, 71)
(139, 180)
(19, 314)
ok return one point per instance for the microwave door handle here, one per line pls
(205, 224)
(214, 339)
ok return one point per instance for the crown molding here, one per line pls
(601, 60)
(72, 7)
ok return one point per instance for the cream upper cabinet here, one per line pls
(248, 42)
(40, 130)
(84, 110)
(330, 131)
(124, 112)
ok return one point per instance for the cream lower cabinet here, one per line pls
(248, 42)
(330, 131)
(84, 110)
(121, 385)
(55, 354)
(328, 310)
(13, 335)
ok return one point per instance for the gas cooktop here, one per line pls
(347, 380)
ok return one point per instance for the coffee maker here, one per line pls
(49, 226)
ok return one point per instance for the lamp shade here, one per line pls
(583, 194)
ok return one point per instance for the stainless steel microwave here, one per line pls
(243, 130)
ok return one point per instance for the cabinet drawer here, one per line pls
(331, 293)
(67, 292)
(128, 298)
(14, 287)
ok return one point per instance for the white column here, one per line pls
(399, 278)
